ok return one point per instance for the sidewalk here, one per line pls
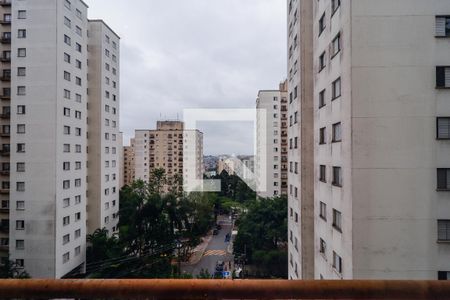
(197, 252)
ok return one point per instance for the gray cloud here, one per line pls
(178, 54)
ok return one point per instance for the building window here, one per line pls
(336, 89)
(322, 136)
(78, 165)
(21, 91)
(20, 225)
(337, 134)
(66, 220)
(66, 75)
(78, 131)
(443, 275)
(323, 211)
(66, 257)
(337, 262)
(78, 47)
(20, 167)
(66, 112)
(66, 129)
(77, 250)
(20, 205)
(21, 148)
(66, 202)
(322, 99)
(67, 40)
(20, 109)
(20, 128)
(78, 81)
(322, 246)
(21, 71)
(20, 244)
(323, 173)
(78, 148)
(443, 77)
(78, 31)
(21, 52)
(443, 26)
(67, 58)
(67, 94)
(443, 128)
(444, 230)
(77, 233)
(443, 179)
(78, 216)
(337, 220)
(77, 182)
(78, 64)
(78, 114)
(335, 5)
(66, 239)
(79, 14)
(77, 199)
(336, 45)
(337, 176)
(322, 24)
(66, 148)
(66, 166)
(322, 62)
(66, 184)
(22, 14)
(67, 22)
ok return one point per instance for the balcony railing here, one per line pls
(5, 40)
(5, 59)
(5, 152)
(5, 2)
(5, 77)
(5, 115)
(223, 289)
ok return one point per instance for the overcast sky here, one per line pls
(178, 54)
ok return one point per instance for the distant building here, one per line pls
(271, 164)
(166, 147)
(128, 163)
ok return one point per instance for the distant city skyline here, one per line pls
(167, 68)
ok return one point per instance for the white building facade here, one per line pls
(44, 135)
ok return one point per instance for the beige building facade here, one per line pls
(166, 147)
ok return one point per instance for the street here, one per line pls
(216, 250)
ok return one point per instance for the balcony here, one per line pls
(5, 77)
(5, 152)
(5, 115)
(5, 2)
(5, 59)
(4, 229)
(5, 40)
(4, 210)
(5, 97)
(4, 248)
(5, 134)
(222, 289)
(4, 191)
(4, 172)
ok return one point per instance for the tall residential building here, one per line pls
(381, 125)
(271, 163)
(44, 128)
(301, 138)
(104, 137)
(167, 147)
(128, 164)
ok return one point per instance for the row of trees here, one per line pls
(262, 237)
(155, 225)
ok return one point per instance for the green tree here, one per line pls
(12, 270)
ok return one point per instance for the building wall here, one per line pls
(300, 135)
(104, 134)
(389, 153)
(44, 137)
(394, 106)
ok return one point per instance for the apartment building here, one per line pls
(104, 137)
(381, 131)
(170, 147)
(44, 128)
(271, 162)
(301, 141)
(128, 163)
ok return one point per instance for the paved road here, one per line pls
(216, 250)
